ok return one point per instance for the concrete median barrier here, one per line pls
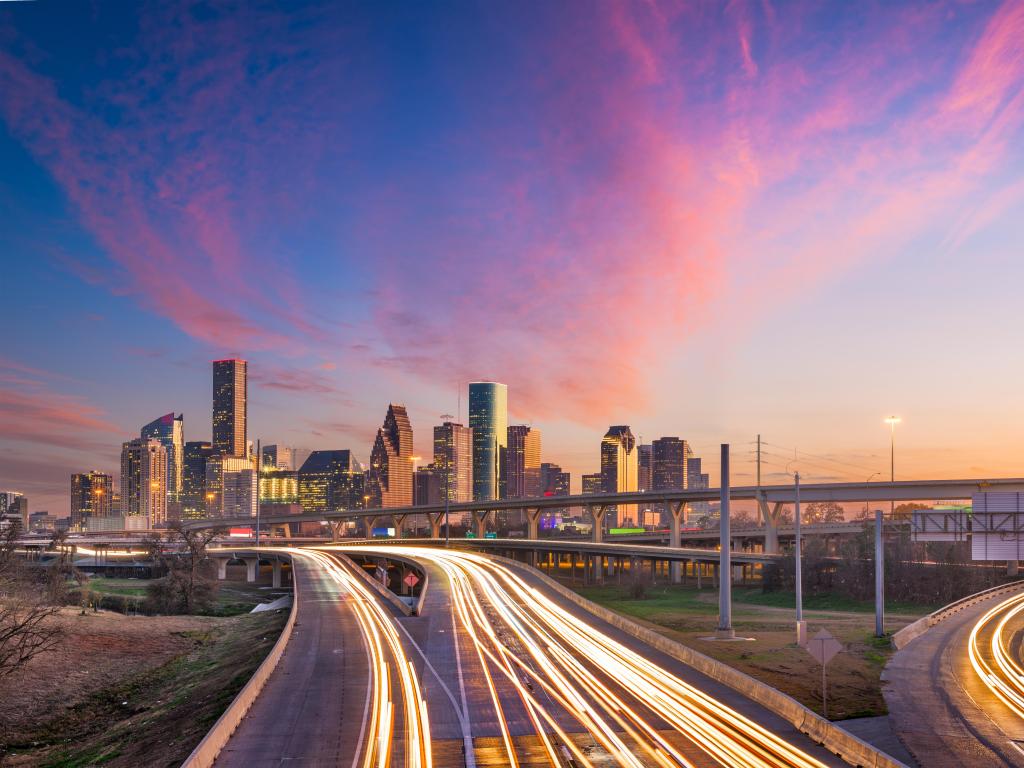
(913, 631)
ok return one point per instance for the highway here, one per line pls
(515, 675)
(344, 692)
(955, 694)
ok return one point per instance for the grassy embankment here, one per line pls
(854, 676)
(156, 716)
(233, 597)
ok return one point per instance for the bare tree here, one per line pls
(188, 584)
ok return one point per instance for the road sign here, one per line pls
(490, 535)
(470, 535)
(823, 646)
(411, 580)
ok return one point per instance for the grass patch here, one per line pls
(155, 718)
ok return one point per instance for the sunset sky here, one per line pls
(709, 220)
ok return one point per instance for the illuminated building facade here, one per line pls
(144, 483)
(278, 457)
(331, 480)
(231, 487)
(645, 468)
(193, 479)
(391, 469)
(619, 471)
(670, 460)
(91, 496)
(13, 510)
(453, 457)
(522, 462)
(279, 486)
(230, 407)
(429, 485)
(488, 418)
(169, 430)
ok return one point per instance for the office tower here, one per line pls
(13, 509)
(331, 480)
(645, 462)
(169, 430)
(279, 486)
(593, 483)
(193, 479)
(553, 481)
(488, 418)
(391, 461)
(522, 463)
(619, 470)
(91, 496)
(278, 457)
(144, 483)
(42, 522)
(698, 481)
(453, 457)
(670, 464)
(230, 407)
(232, 488)
(428, 485)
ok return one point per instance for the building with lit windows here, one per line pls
(230, 407)
(279, 486)
(231, 486)
(169, 430)
(91, 496)
(193, 479)
(619, 471)
(13, 510)
(593, 483)
(697, 480)
(453, 457)
(331, 480)
(391, 467)
(278, 457)
(428, 485)
(143, 484)
(522, 462)
(645, 468)
(488, 418)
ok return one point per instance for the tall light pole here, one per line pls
(892, 421)
(448, 459)
(801, 627)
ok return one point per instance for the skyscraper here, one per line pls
(670, 464)
(390, 476)
(232, 488)
(645, 462)
(144, 482)
(453, 457)
(13, 510)
(331, 480)
(230, 407)
(553, 481)
(593, 483)
(488, 418)
(169, 430)
(619, 470)
(522, 463)
(428, 485)
(697, 480)
(193, 479)
(91, 496)
(278, 457)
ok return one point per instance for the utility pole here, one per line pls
(879, 577)
(757, 497)
(259, 467)
(447, 417)
(801, 625)
(725, 630)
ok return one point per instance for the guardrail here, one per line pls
(204, 755)
(914, 630)
(833, 737)
(379, 588)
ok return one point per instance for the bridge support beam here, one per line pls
(677, 510)
(222, 567)
(435, 525)
(399, 523)
(533, 523)
(597, 513)
(771, 519)
(276, 583)
(369, 524)
(480, 522)
(335, 526)
(252, 567)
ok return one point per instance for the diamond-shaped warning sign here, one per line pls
(823, 646)
(411, 580)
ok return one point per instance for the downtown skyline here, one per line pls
(702, 223)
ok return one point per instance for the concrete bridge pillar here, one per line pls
(771, 524)
(276, 583)
(1012, 567)
(369, 523)
(677, 510)
(480, 522)
(335, 526)
(597, 513)
(252, 567)
(222, 567)
(435, 525)
(533, 523)
(399, 522)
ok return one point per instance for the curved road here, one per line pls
(513, 675)
(940, 706)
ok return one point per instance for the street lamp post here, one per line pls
(449, 457)
(801, 626)
(892, 421)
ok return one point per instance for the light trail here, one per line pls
(611, 692)
(1003, 675)
(389, 663)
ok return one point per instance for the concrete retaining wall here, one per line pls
(913, 631)
(383, 591)
(838, 741)
(206, 753)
